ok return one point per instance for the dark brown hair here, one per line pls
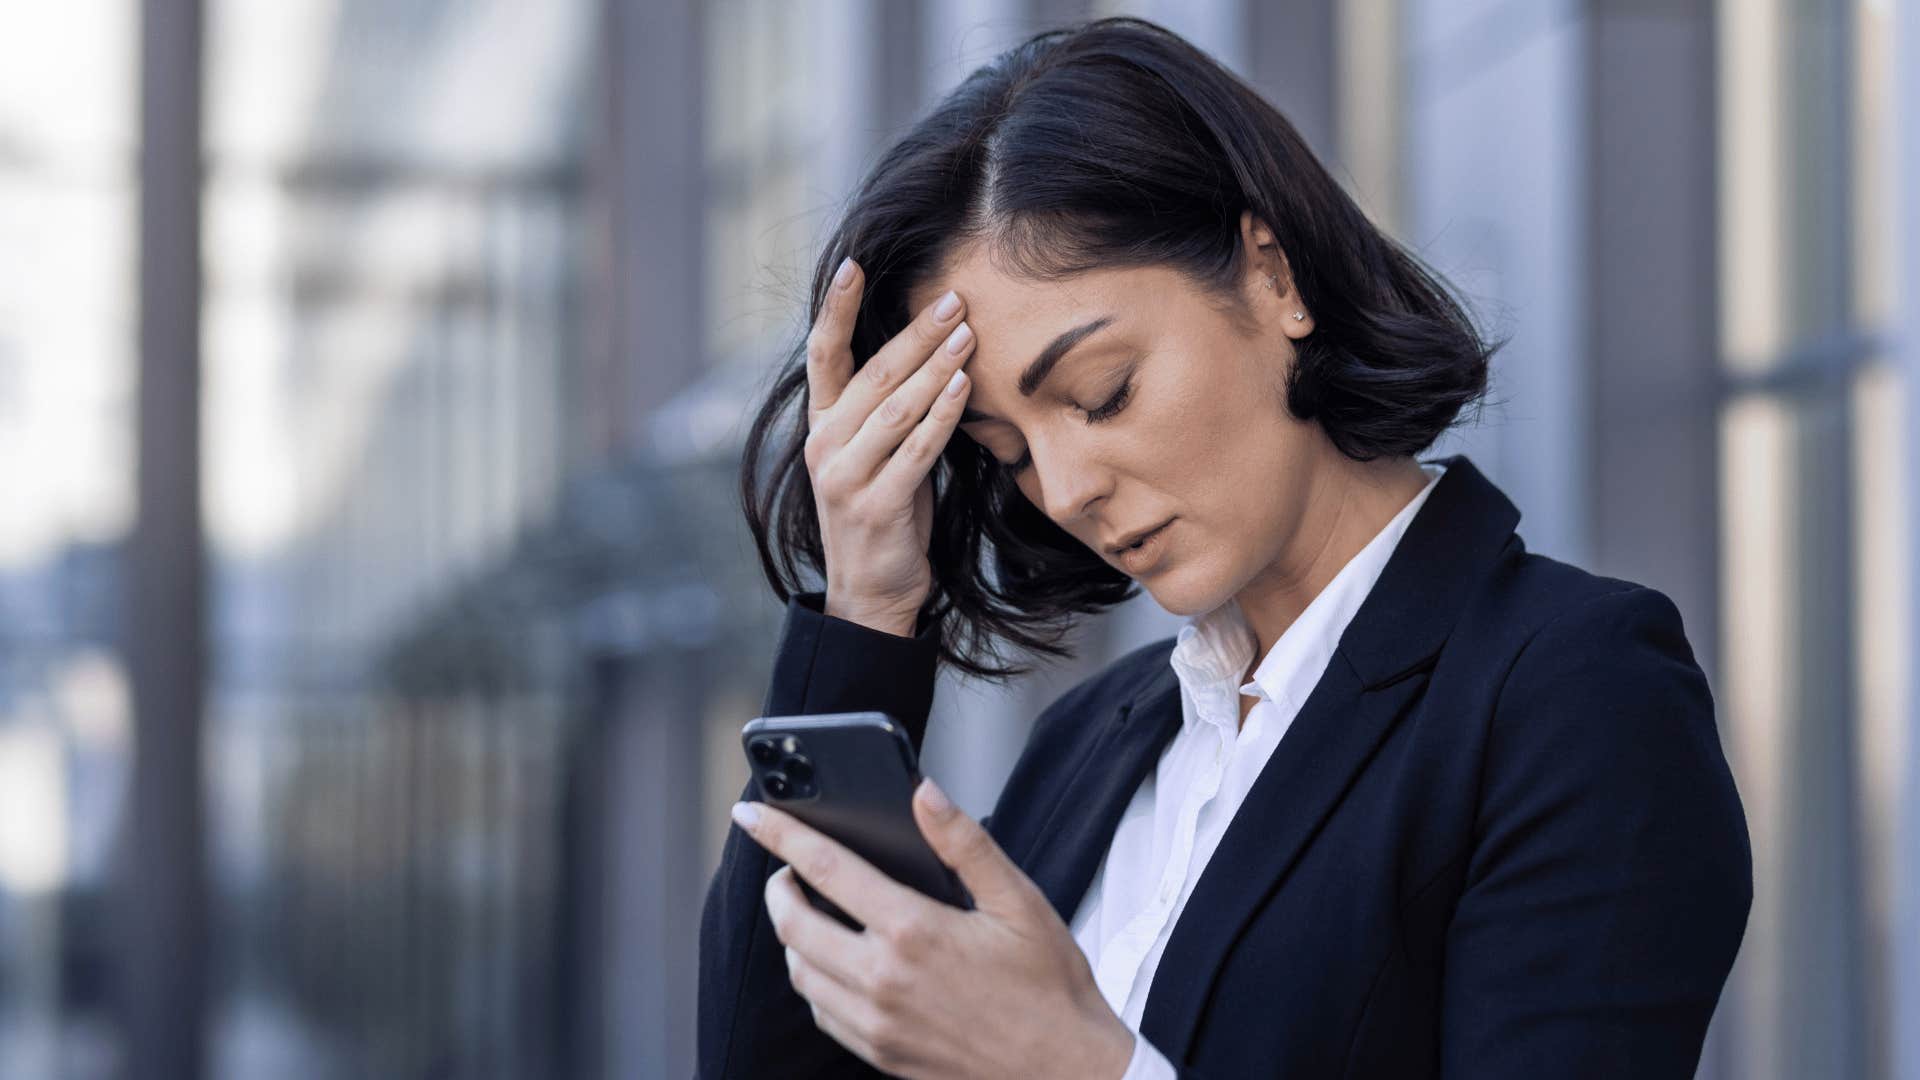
(1111, 144)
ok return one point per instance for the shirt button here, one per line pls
(1168, 892)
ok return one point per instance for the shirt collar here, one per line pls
(1212, 651)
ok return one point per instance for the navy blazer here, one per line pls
(1500, 838)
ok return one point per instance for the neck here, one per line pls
(1348, 503)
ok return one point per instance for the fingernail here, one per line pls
(956, 384)
(935, 799)
(843, 276)
(745, 814)
(957, 341)
(948, 304)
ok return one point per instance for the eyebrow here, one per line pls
(1043, 365)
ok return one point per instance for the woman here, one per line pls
(1402, 799)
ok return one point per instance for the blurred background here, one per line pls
(376, 615)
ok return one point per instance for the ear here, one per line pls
(1257, 235)
(1272, 286)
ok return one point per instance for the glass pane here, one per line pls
(1875, 252)
(1815, 543)
(1788, 180)
(1807, 693)
(1752, 188)
(1754, 688)
(393, 237)
(774, 129)
(1368, 35)
(1883, 457)
(67, 200)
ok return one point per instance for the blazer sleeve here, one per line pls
(751, 1022)
(1609, 885)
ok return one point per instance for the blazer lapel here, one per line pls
(1376, 674)
(1336, 731)
(1077, 832)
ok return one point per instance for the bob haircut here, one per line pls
(1109, 144)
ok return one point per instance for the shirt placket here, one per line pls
(1120, 960)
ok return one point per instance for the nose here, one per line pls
(1070, 480)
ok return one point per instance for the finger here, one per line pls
(901, 412)
(805, 929)
(830, 341)
(993, 879)
(905, 472)
(838, 1009)
(841, 876)
(907, 352)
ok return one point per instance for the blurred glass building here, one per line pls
(376, 614)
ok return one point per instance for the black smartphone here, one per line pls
(852, 777)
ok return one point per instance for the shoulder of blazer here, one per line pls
(1528, 592)
(1082, 713)
(1061, 737)
(1118, 683)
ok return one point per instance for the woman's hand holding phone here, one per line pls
(928, 990)
(872, 441)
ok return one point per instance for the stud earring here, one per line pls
(1271, 278)
(1299, 316)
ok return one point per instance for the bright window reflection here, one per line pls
(66, 381)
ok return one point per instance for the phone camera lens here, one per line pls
(776, 785)
(798, 769)
(764, 751)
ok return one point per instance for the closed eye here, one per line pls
(1114, 404)
(1097, 415)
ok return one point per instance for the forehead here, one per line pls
(997, 300)
(1015, 318)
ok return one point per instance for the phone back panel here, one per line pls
(863, 778)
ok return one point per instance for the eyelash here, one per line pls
(1097, 415)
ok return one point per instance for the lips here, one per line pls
(1140, 561)
(1135, 537)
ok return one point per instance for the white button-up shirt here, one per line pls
(1180, 811)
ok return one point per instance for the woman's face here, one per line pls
(1159, 410)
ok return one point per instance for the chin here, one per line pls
(1184, 592)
